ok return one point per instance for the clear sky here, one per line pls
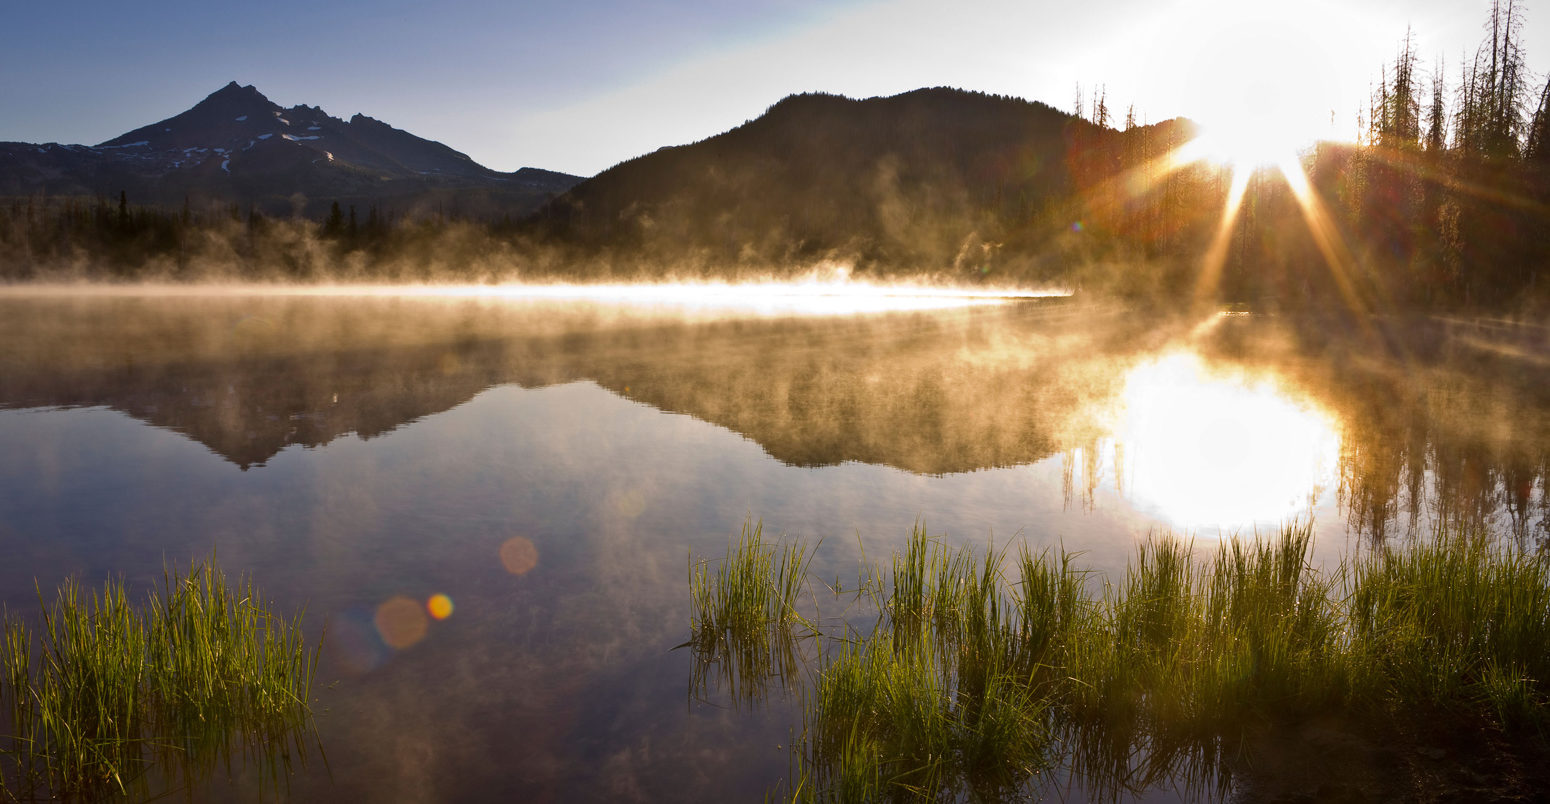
(578, 86)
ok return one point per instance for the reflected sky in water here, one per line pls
(491, 508)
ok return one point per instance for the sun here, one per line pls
(1251, 144)
(1268, 126)
(1258, 78)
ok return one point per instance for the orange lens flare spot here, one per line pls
(519, 556)
(440, 606)
(401, 622)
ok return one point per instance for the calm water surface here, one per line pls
(550, 466)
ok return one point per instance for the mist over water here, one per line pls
(488, 498)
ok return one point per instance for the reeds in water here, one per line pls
(1456, 623)
(106, 690)
(933, 703)
(972, 683)
(744, 611)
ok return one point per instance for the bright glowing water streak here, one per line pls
(802, 297)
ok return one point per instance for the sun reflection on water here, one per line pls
(1212, 448)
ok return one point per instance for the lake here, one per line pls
(550, 463)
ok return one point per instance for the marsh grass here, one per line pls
(744, 614)
(974, 684)
(107, 690)
(931, 703)
(1455, 624)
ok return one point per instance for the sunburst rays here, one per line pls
(1243, 162)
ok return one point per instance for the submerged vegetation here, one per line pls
(981, 679)
(106, 691)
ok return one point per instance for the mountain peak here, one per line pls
(224, 114)
(234, 94)
(236, 144)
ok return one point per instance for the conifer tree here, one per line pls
(1398, 108)
(1437, 117)
(1493, 91)
(1538, 149)
(334, 226)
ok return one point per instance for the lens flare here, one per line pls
(401, 622)
(519, 556)
(439, 606)
(354, 642)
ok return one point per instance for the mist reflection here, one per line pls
(1211, 448)
(1439, 421)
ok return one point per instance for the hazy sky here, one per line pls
(578, 86)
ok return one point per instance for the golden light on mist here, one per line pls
(1244, 160)
(814, 297)
(1216, 254)
(518, 555)
(439, 606)
(835, 294)
(1324, 232)
(400, 622)
(1204, 448)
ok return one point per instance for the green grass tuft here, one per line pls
(106, 690)
(744, 612)
(972, 685)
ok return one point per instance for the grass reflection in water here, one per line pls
(991, 680)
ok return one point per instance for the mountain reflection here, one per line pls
(929, 393)
(1424, 421)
